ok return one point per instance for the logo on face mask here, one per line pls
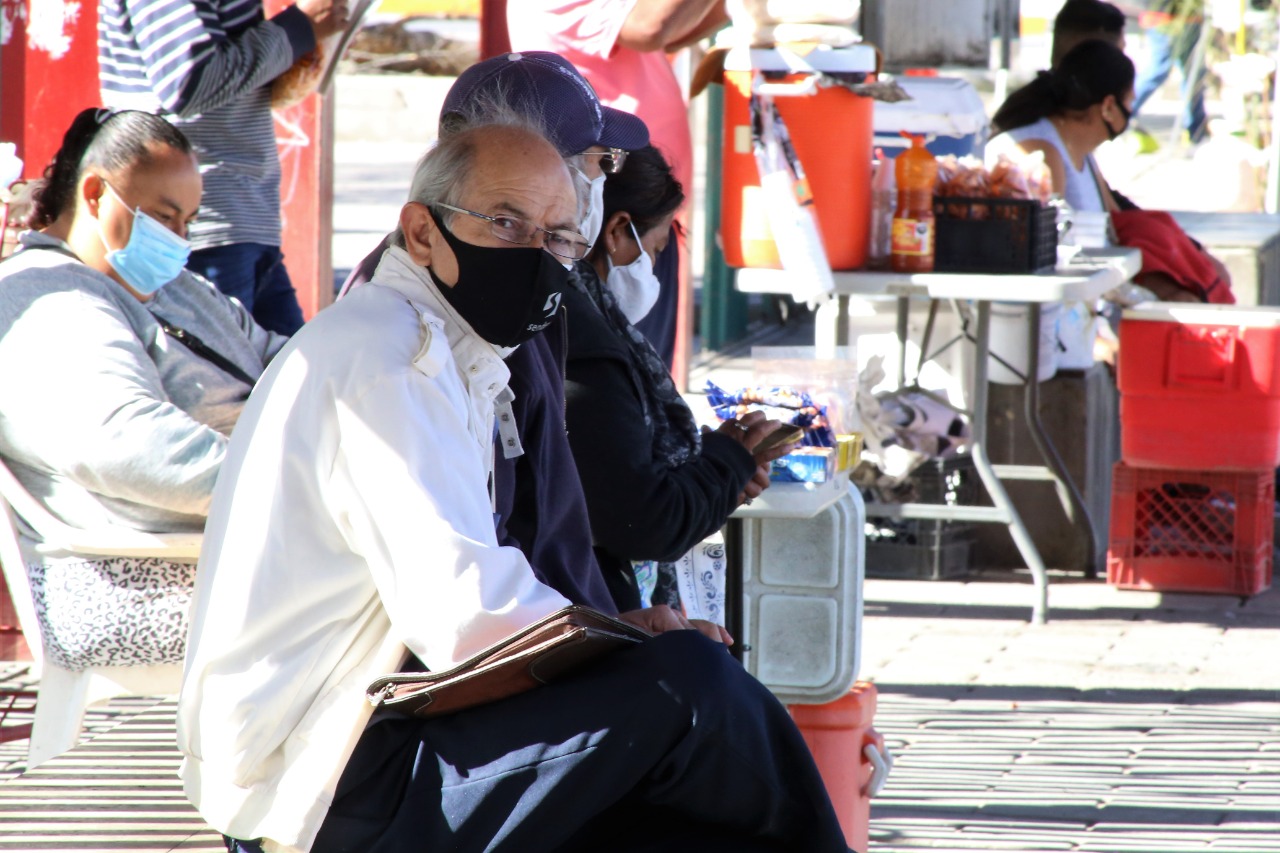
(634, 285)
(154, 255)
(506, 295)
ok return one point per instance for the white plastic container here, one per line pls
(1077, 331)
(802, 594)
(948, 111)
(1009, 341)
(767, 12)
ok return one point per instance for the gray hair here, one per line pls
(442, 173)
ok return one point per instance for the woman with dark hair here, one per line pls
(656, 485)
(121, 376)
(1066, 113)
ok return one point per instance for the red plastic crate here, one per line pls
(1200, 387)
(1191, 531)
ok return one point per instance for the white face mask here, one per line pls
(593, 220)
(634, 285)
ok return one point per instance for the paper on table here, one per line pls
(789, 205)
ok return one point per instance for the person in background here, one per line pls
(621, 46)
(656, 486)
(1172, 29)
(208, 66)
(121, 377)
(1066, 113)
(352, 535)
(1083, 20)
(537, 494)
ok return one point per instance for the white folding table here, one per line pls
(1091, 274)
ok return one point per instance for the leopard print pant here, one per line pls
(118, 611)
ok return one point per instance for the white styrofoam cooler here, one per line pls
(947, 110)
(802, 599)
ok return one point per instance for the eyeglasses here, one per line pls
(610, 161)
(569, 245)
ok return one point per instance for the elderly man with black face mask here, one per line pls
(351, 535)
(538, 498)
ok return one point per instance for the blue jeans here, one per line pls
(666, 746)
(253, 273)
(1167, 48)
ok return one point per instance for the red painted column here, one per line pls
(48, 73)
(304, 135)
(493, 28)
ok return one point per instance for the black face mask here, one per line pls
(1112, 133)
(507, 295)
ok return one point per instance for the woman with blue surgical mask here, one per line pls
(656, 484)
(123, 375)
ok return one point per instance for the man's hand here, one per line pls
(660, 618)
(327, 16)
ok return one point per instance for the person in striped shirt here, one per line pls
(207, 66)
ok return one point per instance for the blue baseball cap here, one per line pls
(547, 86)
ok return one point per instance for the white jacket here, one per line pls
(351, 521)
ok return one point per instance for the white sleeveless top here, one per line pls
(1081, 191)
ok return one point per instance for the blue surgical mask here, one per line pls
(154, 255)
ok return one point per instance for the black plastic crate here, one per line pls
(994, 235)
(922, 550)
(952, 480)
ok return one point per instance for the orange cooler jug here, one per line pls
(837, 734)
(831, 129)
(913, 237)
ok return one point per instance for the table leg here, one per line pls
(734, 618)
(830, 326)
(904, 311)
(1068, 493)
(995, 489)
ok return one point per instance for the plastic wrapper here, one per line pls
(1009, 177)
(901, 431)
(788, 405)
(302, 78)
(805, 465)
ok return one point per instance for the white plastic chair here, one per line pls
(63, 694)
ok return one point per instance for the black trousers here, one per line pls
(668, 746)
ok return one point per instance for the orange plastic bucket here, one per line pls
(837, 734)
(831, 129)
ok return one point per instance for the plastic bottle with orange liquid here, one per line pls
(913, 223)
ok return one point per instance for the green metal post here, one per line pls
(724, 309)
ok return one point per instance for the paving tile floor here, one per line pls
(1132, 721)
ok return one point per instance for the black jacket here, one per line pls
(640, 509)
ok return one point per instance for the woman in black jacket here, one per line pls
(656, 485)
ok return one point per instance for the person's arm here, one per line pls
(669, 24)
(193, 70)
(266, 343)
(81, 397)
(410, 486)
(641, 509)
